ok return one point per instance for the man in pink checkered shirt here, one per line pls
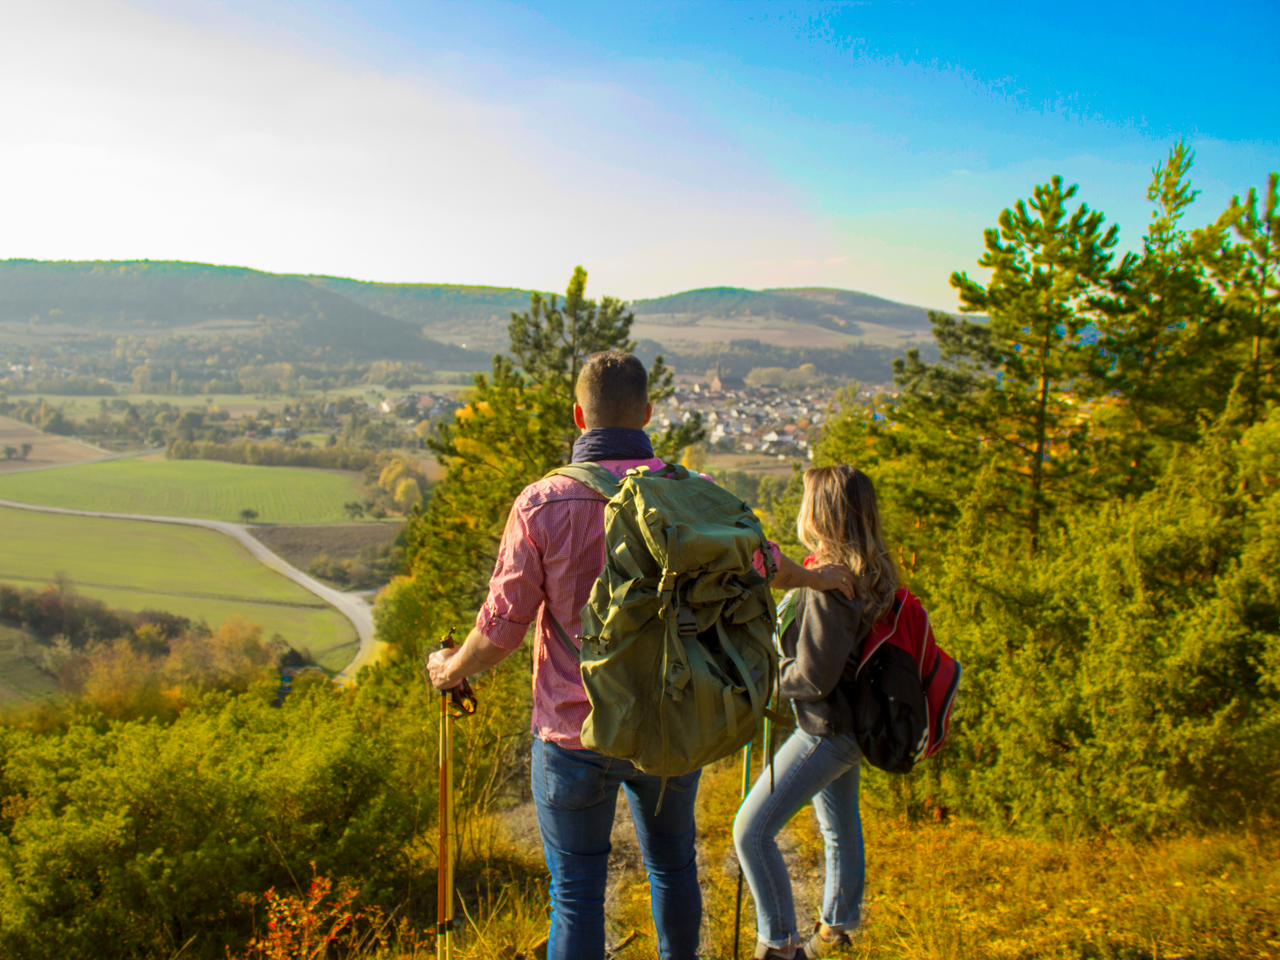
(552, 552)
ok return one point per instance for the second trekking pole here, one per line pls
(444, 876)
(464, 699)
(737, 909)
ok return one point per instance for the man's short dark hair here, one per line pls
(613, 389)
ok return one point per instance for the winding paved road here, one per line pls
(354, 608)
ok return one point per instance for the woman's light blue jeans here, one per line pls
(824, 770)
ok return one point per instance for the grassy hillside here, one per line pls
(166, 294)
(196, 573)
(207, 489)
(21, 681)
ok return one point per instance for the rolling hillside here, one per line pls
(443, 326)
(478, 316)
(151, 296)
(842, 310)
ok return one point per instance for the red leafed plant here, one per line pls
(307, 927)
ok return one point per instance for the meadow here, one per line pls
(184, 570)
(189, 488)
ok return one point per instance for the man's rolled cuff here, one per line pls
(506, 634)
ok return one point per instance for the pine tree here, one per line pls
(551, 341)
(1159, 336)
(1010, 382)
(1246, 272)
(678, 436)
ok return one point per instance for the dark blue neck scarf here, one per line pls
(612, 443)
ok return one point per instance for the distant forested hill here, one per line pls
(841, 310)
(164, 294)
(478, 317)
(430, 303)
(474, 316)
(444, 326)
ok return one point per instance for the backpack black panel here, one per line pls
(890, 715)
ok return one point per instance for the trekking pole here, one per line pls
(464, 699)
(444, 875)
(737, 910)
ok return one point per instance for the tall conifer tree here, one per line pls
(1241, 253)
(1159, 334)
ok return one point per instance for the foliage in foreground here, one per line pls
(127, 838)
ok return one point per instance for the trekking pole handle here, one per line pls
(462, 696)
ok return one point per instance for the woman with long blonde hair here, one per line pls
(840, 523)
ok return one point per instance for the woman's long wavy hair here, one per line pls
(840, 522)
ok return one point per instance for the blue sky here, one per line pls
(663, 145)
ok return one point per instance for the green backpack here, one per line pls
(677, 637)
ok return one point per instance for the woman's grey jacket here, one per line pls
(819, 660)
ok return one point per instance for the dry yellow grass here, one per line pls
(948, 891)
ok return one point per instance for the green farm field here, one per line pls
(186, 570)
(207, 489)
(81, 408)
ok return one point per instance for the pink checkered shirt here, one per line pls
(552, 553)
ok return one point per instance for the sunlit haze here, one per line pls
(662, 146)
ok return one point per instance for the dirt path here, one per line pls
(353, 607)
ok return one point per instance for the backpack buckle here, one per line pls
(687, 622)
(597, 645)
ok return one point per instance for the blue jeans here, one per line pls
(575, 793)
(824, 770)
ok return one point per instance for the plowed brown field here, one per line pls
(46, 449)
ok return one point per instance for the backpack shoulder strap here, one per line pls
(591, 475)
(564, 637)
(787, 610)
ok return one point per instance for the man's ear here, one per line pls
(579, 419)
(648, 414)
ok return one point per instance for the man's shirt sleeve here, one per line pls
(516, 587)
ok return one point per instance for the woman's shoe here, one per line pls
(766, 952)
(823, 943)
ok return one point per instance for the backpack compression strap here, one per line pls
(607, 484)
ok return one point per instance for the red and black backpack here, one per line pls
(903, 689)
